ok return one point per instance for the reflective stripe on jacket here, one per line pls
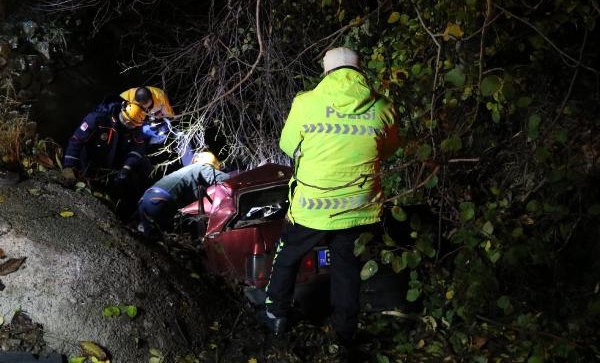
(338, 134)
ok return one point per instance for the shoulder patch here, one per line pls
(84, 126)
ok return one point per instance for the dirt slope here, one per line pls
(75, 266)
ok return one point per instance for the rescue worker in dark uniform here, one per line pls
(108, 150)
(159, 204)
(338, 134)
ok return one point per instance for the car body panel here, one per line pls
(244, 218)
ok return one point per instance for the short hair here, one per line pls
(142, 95)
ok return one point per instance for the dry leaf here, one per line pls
(44, 160)
(11, 265)
(479, 341)
(453, 30)
(93, 349)
(66, 214)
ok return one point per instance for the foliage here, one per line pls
(499, 110)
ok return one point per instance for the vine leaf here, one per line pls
(490, 85)
(467, 211)
(456, 76)
(399, 214)
(369, 269)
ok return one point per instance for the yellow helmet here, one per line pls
(206, 157)
(132, 115)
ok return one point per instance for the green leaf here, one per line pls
(490, 85)
(386, 256)
(467, 211)
(416, 69)
(542, 154)
(131, 311)
(369, 269)
(77, 359)
(359, 249)
(453, 143)
(535, 359)
(504, 303)
(413, 294)
(398, 263)
(533, 206)
(494, 256)
(399, 214)
(488, 228)
(533, 129)
(424, 152)
(432, 182)
(404, 19)
(361, 242)
(495, 116)
(524, 101)
(388, 241)
(364, 238)
(455, 76)
(517, 232)
(413, 258)
(561, 136)
(111, 311)
(424, 245)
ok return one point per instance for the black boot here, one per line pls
(277, 325)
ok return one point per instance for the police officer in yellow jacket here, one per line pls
(337, 134)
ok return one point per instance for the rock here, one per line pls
(76, 266)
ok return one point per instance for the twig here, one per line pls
(523, 331)
(471, 160)
(565, 55)
(248, 74)
(435, 77)
(568, 95)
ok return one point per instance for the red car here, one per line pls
(241, 221)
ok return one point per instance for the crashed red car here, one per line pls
(241, 220)
(239, 223)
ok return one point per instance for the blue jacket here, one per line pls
(101, 141)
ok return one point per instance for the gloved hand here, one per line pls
(68, 177)
(122, 175)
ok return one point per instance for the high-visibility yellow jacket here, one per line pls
(160, 102)
(338, 134)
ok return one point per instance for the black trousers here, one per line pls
(295, 242)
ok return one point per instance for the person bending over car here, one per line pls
(107, 149)
(157, 127)
(338, 134)
(160, 202)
